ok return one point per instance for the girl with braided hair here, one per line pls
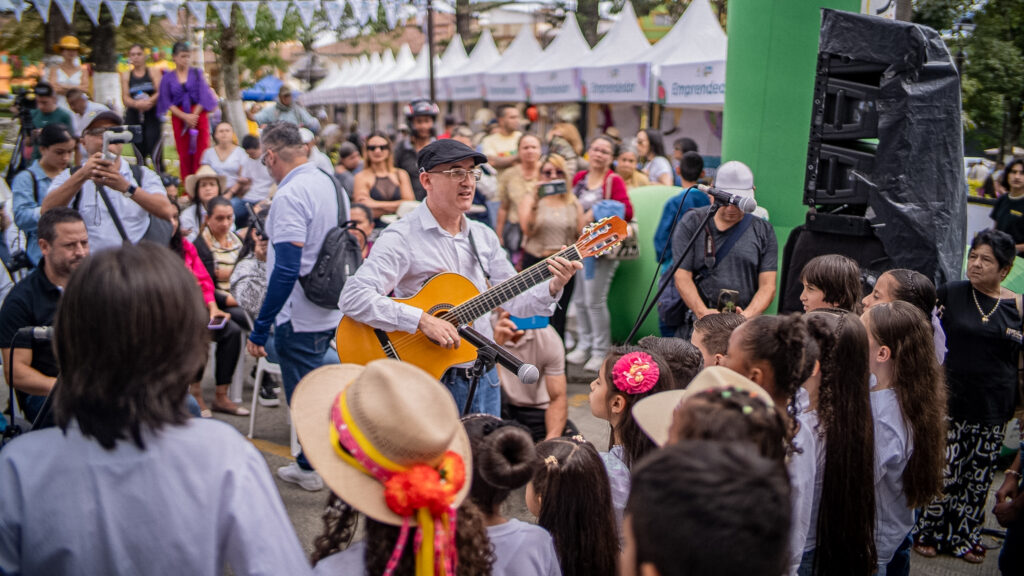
(504, 459)
(841, 536)
(777, 354)
(571, 497)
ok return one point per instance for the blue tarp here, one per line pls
(264, 90)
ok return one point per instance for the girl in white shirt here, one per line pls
(908, 403)
(504, 459)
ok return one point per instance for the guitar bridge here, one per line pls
(385, 344)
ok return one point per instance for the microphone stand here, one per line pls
(669, 277)
(485, 359)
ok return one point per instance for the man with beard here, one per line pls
(64, 243)
(420, 115)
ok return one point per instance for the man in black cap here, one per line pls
(135, 195)
(437, 237)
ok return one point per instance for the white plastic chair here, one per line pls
(263, 366)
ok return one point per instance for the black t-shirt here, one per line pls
(981, 364)
(406, 158)
(32, 302)
(755, 252)
(1007, 214)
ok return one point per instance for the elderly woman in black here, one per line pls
(982, 322)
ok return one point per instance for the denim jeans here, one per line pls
(594, 320)
(486, 400)
(300, 353)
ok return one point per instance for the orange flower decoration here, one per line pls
(424, 487)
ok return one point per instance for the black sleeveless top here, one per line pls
(142, 87)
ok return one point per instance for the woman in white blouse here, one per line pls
(226, 158)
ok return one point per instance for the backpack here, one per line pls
(340, 256)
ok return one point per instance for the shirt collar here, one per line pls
(37, 169)
(297, 171)
(428, 221)
(43, 279)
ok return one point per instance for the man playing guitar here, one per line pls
(436, 238)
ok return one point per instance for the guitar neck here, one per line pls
(497, 295)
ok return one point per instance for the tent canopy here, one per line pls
(264, 90)
(689, 62)
(615, 71)
(504, 82)
(555, 77)
(467, 83)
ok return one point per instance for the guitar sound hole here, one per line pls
(439, 309)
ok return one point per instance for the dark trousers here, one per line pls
(558, 318)
(300, 353)
(229, 346)
(533, 418)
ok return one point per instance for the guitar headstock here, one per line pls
(600, 237)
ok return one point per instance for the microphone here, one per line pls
(34, 334)
(747, 205)
(527, 373)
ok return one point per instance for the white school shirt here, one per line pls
(103, 234)
(411, 251)
(260, 180)
(810, 419)
(522, 549)
(199, 496)
(802, 468)
(893, 448)
(304, 210)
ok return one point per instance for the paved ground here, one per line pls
(304, 508)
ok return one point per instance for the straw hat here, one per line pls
(204, 172)
(402, 412)
(68, 43)
(654, 413)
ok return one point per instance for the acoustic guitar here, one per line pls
(454, 298)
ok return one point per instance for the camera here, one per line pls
(551, 188)
(25, 99)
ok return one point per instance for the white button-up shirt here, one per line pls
(103, 234)
(414, 249)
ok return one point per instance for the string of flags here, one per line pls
(363, 11)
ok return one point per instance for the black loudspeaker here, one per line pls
(840, 155)
(885, 151)
(805, 243)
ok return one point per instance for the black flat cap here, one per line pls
(445, 152)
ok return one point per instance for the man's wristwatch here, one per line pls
(130, 191)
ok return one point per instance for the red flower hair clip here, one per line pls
(635, 373)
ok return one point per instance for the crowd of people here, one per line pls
(831, 442)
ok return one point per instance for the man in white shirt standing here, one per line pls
(437, 237)
(135, 202)
(83, 111)
(304, 209)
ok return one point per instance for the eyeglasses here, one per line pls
(376, 147)
(553, 173)
(459, 174)
(263, 157)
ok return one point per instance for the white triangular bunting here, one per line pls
(145, 8)
(116, 8)
(18, 6)
(171, 10)
(92, 9)
(371, 9)
(391, 14)
(306, 9)
(198, 10)
(360, 12)
(67, 9)
(278, 9)
(249, 10)
(43, 7)
(334, 10)
(223, 8)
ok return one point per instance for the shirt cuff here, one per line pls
(409, 318)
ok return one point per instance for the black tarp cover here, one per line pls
(918, 187)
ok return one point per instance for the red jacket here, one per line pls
(616, 186)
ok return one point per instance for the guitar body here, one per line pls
(360, 344)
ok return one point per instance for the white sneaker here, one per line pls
(594, 364)
(577, 356)
(306, 479)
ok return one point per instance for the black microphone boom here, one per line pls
(747, 205)
(527, 373)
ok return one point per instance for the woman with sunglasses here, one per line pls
(550, 218)
(380, 185)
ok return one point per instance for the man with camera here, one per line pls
(117, 206)
(32, 303)
(734, 261)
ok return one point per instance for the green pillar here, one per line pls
(773, 51)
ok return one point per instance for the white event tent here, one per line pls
(504, 81)
(689, 62)
(467, 83)
(615, 71)
(555, 77)
(384, 89)
(453, 61)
